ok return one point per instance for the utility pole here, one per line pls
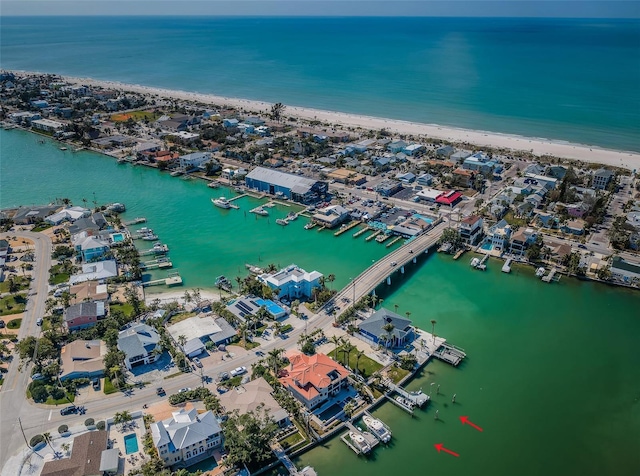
(22, 430)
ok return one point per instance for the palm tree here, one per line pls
(273, 357)
(47, 437)
(359, 354)
(187, 296)
(388, 328)
(395, 306)
(408, 313)
(433, 329)
(115, 374)
(242, 330)
(271, 268)
(347, 348)
(336, 341)
(66, 447)
(182, 340)
(277, 327)
(276, 111)
(331, 278)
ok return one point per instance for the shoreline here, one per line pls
(538, 146)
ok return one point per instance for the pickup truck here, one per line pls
(238, 371)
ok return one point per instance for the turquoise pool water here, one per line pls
(117, 237)
(271, 306)
(131, 443)
(486, 246)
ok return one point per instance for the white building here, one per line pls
(138, 343)
(293, 282)
(186, 437)
(499, 235)
(48, 125)
(192, 161)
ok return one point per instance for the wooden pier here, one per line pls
(371, 440)
(382, 238)
(450, 354)
(173, 279)
(393, 242)
(506, 267)
(160, 263)
(416, 398)
(549, 277)
(360, 232)
(459, 253)
(135, 221)
(404, 407)
(351, 225)
(373, 235)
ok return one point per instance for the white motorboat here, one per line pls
(260, 211)
(213, 184)
(475, 262)
(377, 428)
(221, 202)
(359, 441)
(281, 221)
(540, 272)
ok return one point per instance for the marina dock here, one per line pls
(160, 263)
(373, 235)
(173, 279)
(351, 225)
(288, 464)
(360, 232)
(371, 440)
(159, 250)
(450, 354)
(135, 221)
(382, 238)
(550, 277)
(417, 399)
(506, 267)
(459, 253)
(403, 405)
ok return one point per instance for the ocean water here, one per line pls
(552, 369)
(562, 79)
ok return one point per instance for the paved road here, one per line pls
(12, 400)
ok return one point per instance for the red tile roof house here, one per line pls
(313, 379)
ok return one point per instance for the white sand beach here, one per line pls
(615, 158)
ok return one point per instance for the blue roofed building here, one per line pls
(292, 282)
(293, 187)
(138, 343)
(480, 162)
(373, 329)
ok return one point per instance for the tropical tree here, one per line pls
(433, 329)
(47, 437)
(182, 340)
(242, 330)
(132, 297)
(388, 328)
(359, 353)
(115, 374)
(337, 341)
(347, 348)
(331, 278)
(276, 111)
(395, 306)
(66, 447)
(247, 437)
(348, 409)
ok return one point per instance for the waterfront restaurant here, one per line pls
(293, 187)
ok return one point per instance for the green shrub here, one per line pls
(89, 422)
(57, 393)
(63, 429)
(36, 440)
(101, 425)
(39, 393)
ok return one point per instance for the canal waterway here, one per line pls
(552, 369)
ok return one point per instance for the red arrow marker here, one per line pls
(440, 447)
(465, 420)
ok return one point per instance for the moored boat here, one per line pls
(359, 441)
(213, 184)
(282, 221)
(260, 211)
(377, 428)
(221, 202)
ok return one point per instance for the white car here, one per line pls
(238, 371)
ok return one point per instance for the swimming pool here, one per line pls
(271, 306)
(486, 246)
(117, 237)
(131, 443)
(423, 218)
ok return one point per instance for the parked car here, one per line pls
(196, 361)
(39, 321)
(160, 391)
(238, 371)
(582, 246)
(185, 389)
(222, 376)
(37, 376)
(96, 383)
(1, 324)
(69, 410)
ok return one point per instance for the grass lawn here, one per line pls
(12, 304)
(22, 282)
(232, 382)
(58, 278)
(180, 317)
(396, 374)
(136, 116)
(126, 308)
(292, 440)
(42, 227)
(513, 221)
(60, 401)
(109, 388)
(14, 324)
(366, 366)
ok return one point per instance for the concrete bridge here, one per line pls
(383, 269)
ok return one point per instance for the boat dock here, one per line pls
(416, 398)
(393, 242)
(383, 424)
(506, 268)
(173, 279)
(288, 464)
(360, 232)
(351, 225)
(450, 354)
(550, 277)
(161, 263)
(459, 253)
(373, 235)
(382, 238)
(371, 440)
(135, 221)
(403, 406)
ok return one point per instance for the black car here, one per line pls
(160, 391)
(582, 246)
(69, 410)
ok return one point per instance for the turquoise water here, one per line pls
(131, 443)
(552, 369)
(573, 80)
(117, 237)
(271, 306)
(487, 246)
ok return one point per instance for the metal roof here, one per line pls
(281, 179)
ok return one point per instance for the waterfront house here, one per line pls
(556, 171)
(396, 146)
(198, 330)
(194, 160)
(187, 437)
(312, 379)
(463, 177)
(252, 396)
(625, 271)
(230, 123)
(31, 215)
(471, 230)
(294, 187)
(68, 214)
(445, 152)
(373, 329)
(521, 240)
(82, 359)
(47, 125)
(602, 178)
(331, 216)
(413, 149)
(100, 270)
(86, 457)
(140, 344)
(480, 162)
(88, 291)
(499, 235)
(25, 117)
(89, 247)
(250, 305)
(83, 315)
(292, 282)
